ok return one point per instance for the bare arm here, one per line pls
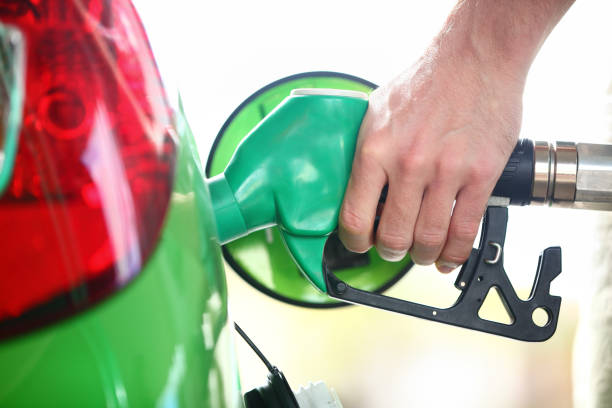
(441, 132)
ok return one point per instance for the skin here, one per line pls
(441, 133)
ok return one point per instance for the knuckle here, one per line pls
(476, 174)
(482, 173)
(371, 151)
(464, 232)
(449, 167)
(353, 222)
(430, 238)
(393, 240)
(412, 164)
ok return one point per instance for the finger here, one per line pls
(359, 206)
(468, 211)
(432, 224)
(395, 229)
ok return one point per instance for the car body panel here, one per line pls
(163, 340)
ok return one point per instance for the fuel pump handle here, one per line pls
(564, 174)
(291, 170)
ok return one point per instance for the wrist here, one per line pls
(500, 36)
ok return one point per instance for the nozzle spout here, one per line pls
(226, 210)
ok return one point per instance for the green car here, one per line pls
(112, 289)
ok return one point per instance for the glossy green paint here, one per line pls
(292, 170)
(262, 257)
(11, 98)
(163, 341)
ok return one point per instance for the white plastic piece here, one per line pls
(498, 201)
(317, 395)
(330, 92)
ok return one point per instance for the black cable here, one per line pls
(263, 358)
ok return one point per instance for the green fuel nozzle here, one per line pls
(291, 171)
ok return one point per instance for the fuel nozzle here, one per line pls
(565, 174)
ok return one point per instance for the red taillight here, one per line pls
(94, 169)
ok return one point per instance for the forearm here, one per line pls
(505, 35)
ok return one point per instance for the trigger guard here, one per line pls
(477, 276)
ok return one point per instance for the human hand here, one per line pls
(441, 133)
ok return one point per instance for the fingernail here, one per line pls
(391, 255)
(446, 267)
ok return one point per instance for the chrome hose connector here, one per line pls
(571, 174)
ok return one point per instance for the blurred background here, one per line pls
(219, 53)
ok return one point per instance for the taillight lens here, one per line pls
(94, 167)
(11, 98)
